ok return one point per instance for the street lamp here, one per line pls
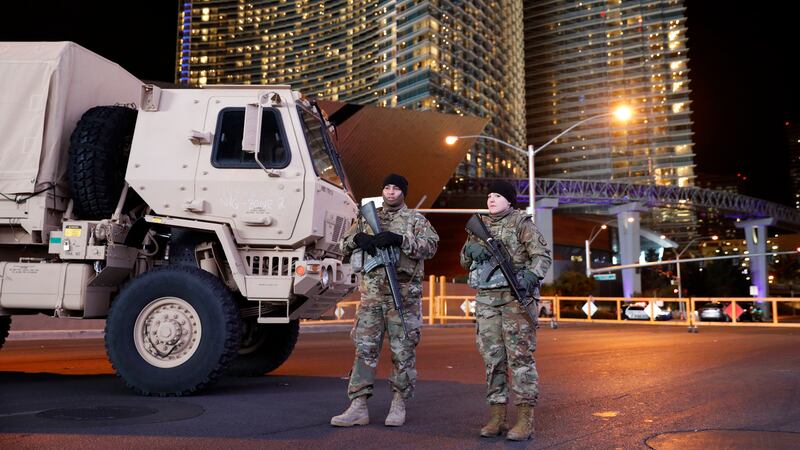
(621, 113)
(592, 236)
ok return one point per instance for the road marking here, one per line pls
(23, 413)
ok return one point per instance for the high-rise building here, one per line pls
(462, 57)
(712, 221)
(585, 57)
(793, 135)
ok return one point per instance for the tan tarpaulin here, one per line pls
(376, 141)
(46, 87)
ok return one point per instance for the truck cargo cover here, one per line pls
(47, 86)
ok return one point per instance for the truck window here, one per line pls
(227, 151)
(320, 154)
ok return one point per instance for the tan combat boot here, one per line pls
(397, 412)
(497, 422)
(356, 414)
(523, 430)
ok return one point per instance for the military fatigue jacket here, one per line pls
(525, 245)
(420, 240)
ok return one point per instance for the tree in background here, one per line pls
(657, 280)
(570, 283)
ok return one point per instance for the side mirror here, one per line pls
(251, 138)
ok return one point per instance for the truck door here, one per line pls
(259, 204)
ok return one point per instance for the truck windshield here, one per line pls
(323, 154)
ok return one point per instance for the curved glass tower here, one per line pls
(582, 59)
(457, 56)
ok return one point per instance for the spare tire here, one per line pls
(98, 156)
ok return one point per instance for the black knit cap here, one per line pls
(397, 180)
(505, 189)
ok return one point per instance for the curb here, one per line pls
(36, 335)
(42, 335)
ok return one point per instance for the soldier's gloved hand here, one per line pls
(477, 252)
(365, 242)
(528, 279)
(388, 239)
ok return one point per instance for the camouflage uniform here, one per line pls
(377, 316)
(506, 337)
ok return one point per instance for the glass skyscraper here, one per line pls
(462, 57)
(585, 57)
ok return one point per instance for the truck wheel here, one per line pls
(264, 347)
(172, 331)
(5, 325)
(98, 156)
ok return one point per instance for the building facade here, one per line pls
(793, 136)
(462, 57)
(585, 57)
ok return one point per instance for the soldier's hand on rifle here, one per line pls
(477, 252)
(388, 239)
(528, 279)
(365, 242)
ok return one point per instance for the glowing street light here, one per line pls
(622, 113)
(592, 236)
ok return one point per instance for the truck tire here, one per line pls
(5, 325)
(172, 331)
(264, 347)
(98, 156)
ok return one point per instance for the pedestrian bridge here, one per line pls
(627, 200)
(650, 196)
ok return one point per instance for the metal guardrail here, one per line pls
(440, 308)
(687, 313)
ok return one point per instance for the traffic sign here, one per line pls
(589, 309)
(468, 307)
(739, 311)
(605, 276)
(653, 309)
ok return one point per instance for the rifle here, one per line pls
(371, 216)
(502, 261)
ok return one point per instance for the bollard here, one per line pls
(774, 311)
(442, 293)
(431, 299)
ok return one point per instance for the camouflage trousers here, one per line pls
(376, 317)
(506, 339)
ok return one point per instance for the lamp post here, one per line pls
(622, 113)
(592, 236)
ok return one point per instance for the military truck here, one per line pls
(201, 223)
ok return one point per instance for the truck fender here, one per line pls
(224, 235)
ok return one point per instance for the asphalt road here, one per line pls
(603, 386)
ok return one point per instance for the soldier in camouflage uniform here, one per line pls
(407, 230)
(506, 336)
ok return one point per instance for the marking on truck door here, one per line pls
(72, 231)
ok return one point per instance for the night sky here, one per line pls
(744, 89)
(741, 58)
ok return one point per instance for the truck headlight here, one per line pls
(325, 276)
